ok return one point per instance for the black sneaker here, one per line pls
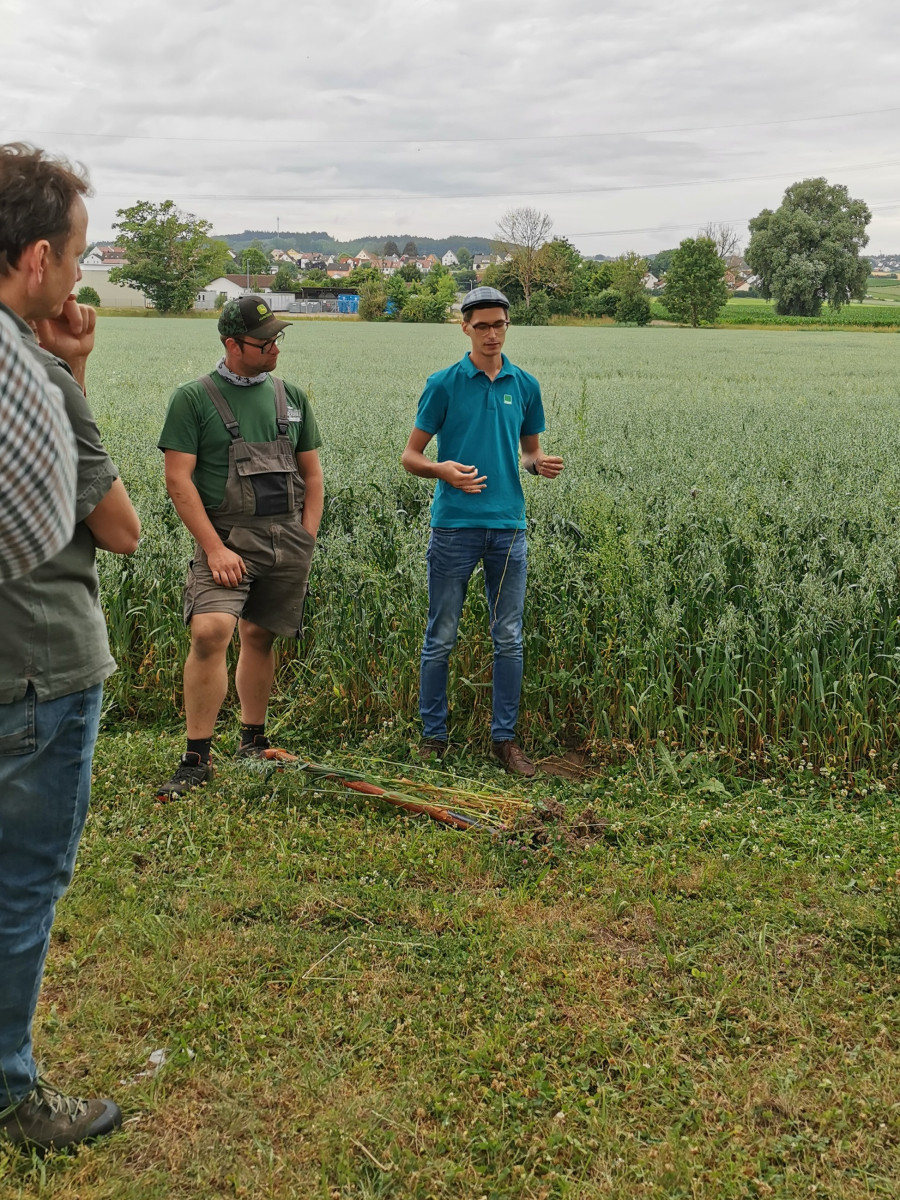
(254, 749)
(48, 1120)
(191, 772)
(432, 748)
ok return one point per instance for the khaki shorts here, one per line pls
(273, 592)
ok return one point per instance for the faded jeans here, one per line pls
(453, 555)
(45, 785)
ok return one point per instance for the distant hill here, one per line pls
(323, 243)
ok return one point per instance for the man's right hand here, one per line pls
(460, 476)
(70, 336)
(227, 567)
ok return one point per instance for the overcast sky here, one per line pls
(630, 124)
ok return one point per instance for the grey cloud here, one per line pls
(356, 72)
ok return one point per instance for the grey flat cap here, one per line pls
(484, 297)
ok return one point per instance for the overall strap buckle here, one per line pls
(222, 407)
(281, 416)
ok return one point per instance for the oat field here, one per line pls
(716, 567)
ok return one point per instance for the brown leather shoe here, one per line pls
(48, 1120)
(431, 748)
(512, 758)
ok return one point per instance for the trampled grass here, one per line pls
(718, 563)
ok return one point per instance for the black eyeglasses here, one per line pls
(494, 327)
(263, 347)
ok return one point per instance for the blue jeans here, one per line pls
(453, 555)
(45, 786)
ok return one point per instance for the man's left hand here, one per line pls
(70, 336)
(548, 465)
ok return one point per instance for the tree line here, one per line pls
(807, 252)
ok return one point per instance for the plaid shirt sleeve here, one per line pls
(38, 462)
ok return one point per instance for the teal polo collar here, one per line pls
(471, 370)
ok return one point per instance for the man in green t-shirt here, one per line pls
(243, 472)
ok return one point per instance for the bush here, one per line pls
(425, 308)
(633, 310)
(221, 298)
(372, 301)
(603, 304)
(88, 295)
(535, 313)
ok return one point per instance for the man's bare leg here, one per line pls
(206, 671)
(255, 673)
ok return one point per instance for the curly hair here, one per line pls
(37, 191)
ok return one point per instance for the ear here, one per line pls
(33, 262)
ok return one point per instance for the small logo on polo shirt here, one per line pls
(295, 414)
(507, 399)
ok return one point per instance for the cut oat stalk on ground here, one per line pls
(455, 807)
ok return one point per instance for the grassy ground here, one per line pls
(696, 997)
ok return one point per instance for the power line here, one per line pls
(414, 141)
(886, 207)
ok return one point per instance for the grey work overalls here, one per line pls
(260, 519)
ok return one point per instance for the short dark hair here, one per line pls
(37, 191)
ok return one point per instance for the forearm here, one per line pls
(417, 463)
(313, 505)
(78, 366)
(189, 506)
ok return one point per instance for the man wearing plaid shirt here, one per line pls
(38, 462)
(54, 654)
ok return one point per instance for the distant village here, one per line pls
(322, 296)
(101, 258)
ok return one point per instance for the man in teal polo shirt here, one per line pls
(482, 411)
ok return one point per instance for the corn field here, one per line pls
(717, 565)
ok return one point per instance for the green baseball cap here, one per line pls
(249, 316)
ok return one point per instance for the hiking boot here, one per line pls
(512, 758)
(191, 772)
(48, 1120)
(432, 748)
(255, 749)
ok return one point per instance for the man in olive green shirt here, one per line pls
(243, 471)
(54, 653)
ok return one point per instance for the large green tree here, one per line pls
(169, 253)
(557, 267)
(808, 249)
(660, 262)
(285, 278)
(221, 260)
(254, 261)
(695, 284)
(627, 272)
(591, 279)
